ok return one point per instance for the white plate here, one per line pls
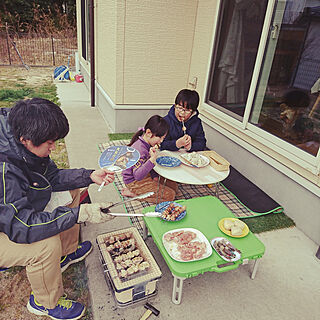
(172, 247)
(237, 254)
(184, 161)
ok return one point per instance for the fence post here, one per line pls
(9, 56)
(53, 58)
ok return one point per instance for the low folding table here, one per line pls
(189, 175)
(203, 214)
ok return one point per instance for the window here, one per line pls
(236, 50)
(284, 104)
(287, 102)
(85, 29)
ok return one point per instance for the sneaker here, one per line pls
(83, 250)
(65, 309)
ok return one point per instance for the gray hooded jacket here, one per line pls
(26, 184)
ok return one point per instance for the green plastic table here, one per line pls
(203, 213)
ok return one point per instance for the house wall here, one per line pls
(108, 41)
(157, 55)
(141, 75)
(136, 60)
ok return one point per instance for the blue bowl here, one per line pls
(160, 207)
(167, 161)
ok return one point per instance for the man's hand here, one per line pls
(102, 175)
(91, 212)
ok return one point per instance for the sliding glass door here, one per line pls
(236, 49)
(287, 102)
(265, 72)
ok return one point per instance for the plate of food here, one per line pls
(186, 245)
(233, 227)
(194, 159)
(167, 161)
(225, 249)
(171, 211)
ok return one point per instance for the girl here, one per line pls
(141, 178)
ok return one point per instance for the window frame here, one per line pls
(85, 30)
(283, 148)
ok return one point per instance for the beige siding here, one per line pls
(201, 52)
(158, 45)
(106, 17)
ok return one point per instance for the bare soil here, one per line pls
(35, 76)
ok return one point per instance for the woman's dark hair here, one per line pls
(157, 125)
(188, 99)
(38, 120)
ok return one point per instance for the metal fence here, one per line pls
(36, 49)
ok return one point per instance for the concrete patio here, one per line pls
(287, 283)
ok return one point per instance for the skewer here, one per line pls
(184, 129)
(101, 186)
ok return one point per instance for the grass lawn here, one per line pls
(120, 136)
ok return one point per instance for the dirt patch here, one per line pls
(33, 77)
(14, 295)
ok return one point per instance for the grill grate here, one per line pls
(152, 273)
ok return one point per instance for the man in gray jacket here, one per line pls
(45, 242)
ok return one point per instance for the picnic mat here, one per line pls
(238, 193)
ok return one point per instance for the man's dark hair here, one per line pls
(38, 120)
(188, 99)
(296, 99)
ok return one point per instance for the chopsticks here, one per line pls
(193, 165)
(216, 161)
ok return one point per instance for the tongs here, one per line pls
(142, 196)
(147, 214)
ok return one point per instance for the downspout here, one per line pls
(92, 56)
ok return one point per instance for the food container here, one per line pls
(137, 286)
(216, 161)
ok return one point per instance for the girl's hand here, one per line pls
(102, 175)
(153, 154)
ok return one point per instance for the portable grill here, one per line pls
(135, 287)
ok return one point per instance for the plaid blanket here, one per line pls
(185, 191)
